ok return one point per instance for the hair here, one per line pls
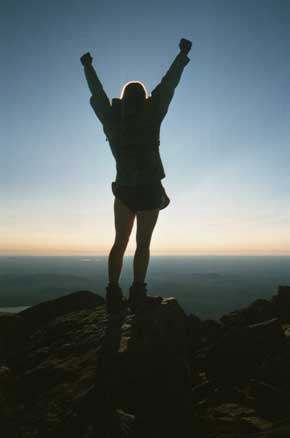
(134, 88)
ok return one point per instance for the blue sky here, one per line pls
(224, 142)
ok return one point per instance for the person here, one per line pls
(132, 128)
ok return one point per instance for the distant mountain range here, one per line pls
(30, 289)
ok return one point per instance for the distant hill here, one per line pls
(30, 289)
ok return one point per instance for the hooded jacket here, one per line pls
(135, 140)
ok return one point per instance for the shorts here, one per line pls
(138, 198)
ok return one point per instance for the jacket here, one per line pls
(135, 142)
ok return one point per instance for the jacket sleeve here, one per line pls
(99, 99)
(164, 91)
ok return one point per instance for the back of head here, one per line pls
(134, 90)
(133, 97)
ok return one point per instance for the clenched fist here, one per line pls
(86, 59)
(185, 45)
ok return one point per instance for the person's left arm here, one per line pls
(164, 91)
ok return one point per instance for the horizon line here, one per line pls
(151, 255)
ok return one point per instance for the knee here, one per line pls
(120, 245)
(143, 244)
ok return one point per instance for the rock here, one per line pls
(271, 402)
(56, 365)
(227, 418)
(236, 356)
(9, 404)
(202, 391)
(228, 394)
(82, 372)
(231, 410)
(5, 375)
(260, 310)
(211, 331)
(148, 374)
(68, 368)
(281, 301)
(232, 319)
(257, 423)
(23, 325)
(7, 327)
(41, 314)
(275, 368)
(194, 330)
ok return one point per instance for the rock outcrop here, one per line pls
(79, 370)
(68, 368)
(242, 371)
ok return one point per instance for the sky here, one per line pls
(224, 142)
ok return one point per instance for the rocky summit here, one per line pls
(68, 368)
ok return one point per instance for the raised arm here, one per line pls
(164, 92)
(99, 99)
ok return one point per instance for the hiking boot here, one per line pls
(114, 298)
(137, 290)
(138, 297)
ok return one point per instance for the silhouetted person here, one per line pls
(132, 127)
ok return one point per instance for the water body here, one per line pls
(207, 286)
(14, 309)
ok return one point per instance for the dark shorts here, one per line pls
(147, 197)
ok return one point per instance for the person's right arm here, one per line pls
(99, 99)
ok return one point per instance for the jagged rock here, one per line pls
(72, 369)
(237, 355)
(56, 364)
(7, 326)
(257, 423)
(194, 330)
(228, 418)
(202, 391)
(260, 310)
(40, 314)
(228, 394)
(281, 301)
(270, 402)
(147, 372)
(9, 404)
(85, 373)
(211, 331)
(5, 375)
(275, 368)
(17, 329)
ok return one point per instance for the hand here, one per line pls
(86, 59)
(185, 46)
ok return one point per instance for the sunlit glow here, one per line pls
(133, 82)
(58, 242)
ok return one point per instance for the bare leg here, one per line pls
(115, 263)
(124, 220)
(146, 220)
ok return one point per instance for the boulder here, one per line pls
(237, 355)
(83, 372)
(147, 372)
(281, 301)
(22, 325)
(194, 330)
(275, 368)
(40, 314)
(258, 311)
(271, 402)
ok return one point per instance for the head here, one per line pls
(133, 96)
